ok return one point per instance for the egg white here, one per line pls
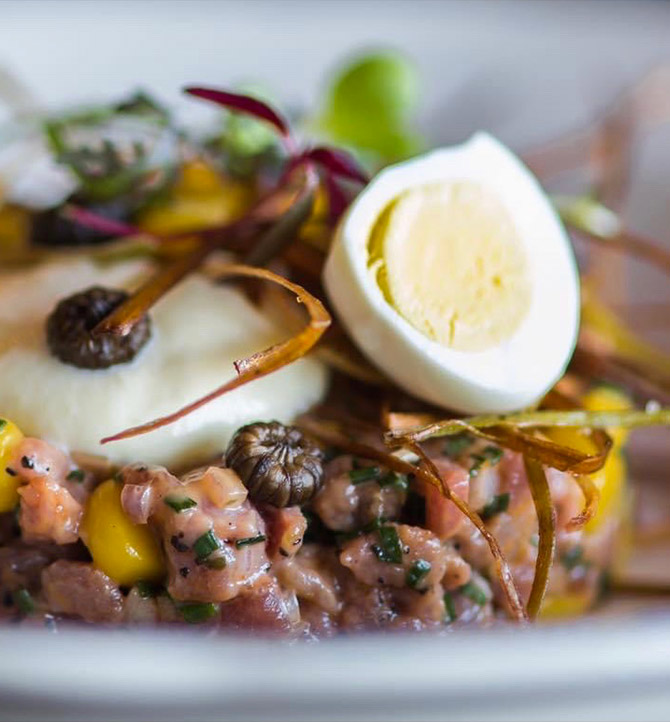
(511, 375)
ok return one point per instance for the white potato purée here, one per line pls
(453, 274)
(198, 330)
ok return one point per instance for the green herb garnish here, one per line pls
(197, 613)
(475, 593)
(450, 607)
(417, 572)
(498, 504)
(367, 473)
(573, 558)
(216, 562)
(76, 475)
(205, 545)
(180, 503)
(455, 445)
(399, 481)
(371, 526)
(24, 601)
(147, 590)
(493, 454)
(247, 541)
(3, 423)
(389, 548)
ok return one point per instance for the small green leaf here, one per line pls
(77, 475)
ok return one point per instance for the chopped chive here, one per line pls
(180, 503)
(498, 504)
(394, 479)
(457, 444)
(3, 423)
(417, 572)
(474, 592)
(450, 607)
(213, 563)
(374, 525)
(206, 544)
(197, 613)
(367, 473)
(24, 601)
(147, 590)
(489, 453)
(76, 475)
(249, 540)
(389, 549)
(573, 558)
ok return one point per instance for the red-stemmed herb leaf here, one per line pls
(338, 162)
(243, 104)
(338, 202)
(97, 222)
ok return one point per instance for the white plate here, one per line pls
(596, 669)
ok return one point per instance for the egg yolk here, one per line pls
(449, 259)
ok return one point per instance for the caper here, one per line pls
(278, 464)
(70, 326)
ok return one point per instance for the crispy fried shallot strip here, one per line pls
(546, 520)
(591, 501)
(259, 364)
(506, 431)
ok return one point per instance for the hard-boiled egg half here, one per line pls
(453, 274)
